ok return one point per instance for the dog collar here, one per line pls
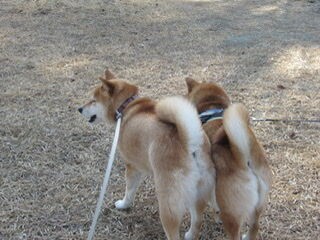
(211, 114)
(123, 106)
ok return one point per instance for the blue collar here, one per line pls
(211, 114)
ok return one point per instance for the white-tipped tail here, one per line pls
(236, 125)
(183, 114)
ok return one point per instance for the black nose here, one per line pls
(93, 118)
(80, 110)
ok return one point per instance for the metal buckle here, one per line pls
(118, 114)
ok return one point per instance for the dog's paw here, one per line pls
(217, 218)
(188, 235)
(245, 237)
(122, 204)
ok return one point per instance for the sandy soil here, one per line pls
(266, 54)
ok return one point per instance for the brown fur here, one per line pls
(154, 141)
(240, 181)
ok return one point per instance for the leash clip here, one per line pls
(118, 115)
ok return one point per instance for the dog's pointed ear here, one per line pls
(191, 83)
(108, 75)
(111, 87)
(108, 85)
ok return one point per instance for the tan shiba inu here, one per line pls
(243, 174)
(164, 139)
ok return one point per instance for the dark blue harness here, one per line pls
(210, 115)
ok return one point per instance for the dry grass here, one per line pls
(265, 53)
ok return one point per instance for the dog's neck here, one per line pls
(119, 111)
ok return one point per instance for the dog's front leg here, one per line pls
(133, 179)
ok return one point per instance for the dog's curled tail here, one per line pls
(236, 126)
(180, 112)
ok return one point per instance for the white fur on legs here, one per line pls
(216, 210)
(217, 218)
(133, 179)
(245, 237)
(123, 204)
(190, 235)
(128, 199)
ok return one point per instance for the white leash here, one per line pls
(105, 180)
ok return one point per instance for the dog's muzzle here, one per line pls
(93, 118)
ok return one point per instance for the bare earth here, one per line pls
(266, 54)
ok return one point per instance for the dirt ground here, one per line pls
(266, 54)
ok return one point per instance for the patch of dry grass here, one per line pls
(265, 54)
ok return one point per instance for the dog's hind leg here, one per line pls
(171, 207)
(253, 226)
(196, 213)
(231, 226)
(171, 218)
(133, 179)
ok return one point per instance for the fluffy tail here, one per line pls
(180, 112)
(236, 126)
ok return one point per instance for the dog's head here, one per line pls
(205, 95)
(107, 98)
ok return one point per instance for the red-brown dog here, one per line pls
(243, 174)
(164, 139)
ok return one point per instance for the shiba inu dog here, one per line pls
(243, 174)
(164, 139)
